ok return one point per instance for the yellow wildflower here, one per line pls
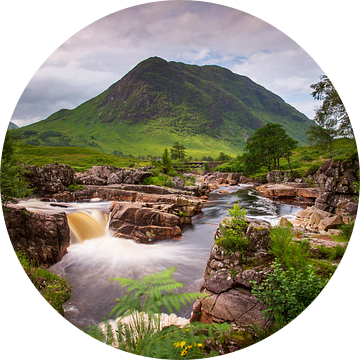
(199, 345)
(180, 343)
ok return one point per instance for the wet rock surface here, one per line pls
(44, 238)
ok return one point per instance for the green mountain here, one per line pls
(207, 108)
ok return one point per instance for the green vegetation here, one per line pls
(288, 293)
(166, 161)
(12, 183)
(144, 300)
(266, 147)
(233, 230)
(53, 288)
(297, 276)
(288, 253)
(178, 151)
(331, 118)
(303, 159)
(79, 159)
(74, 187)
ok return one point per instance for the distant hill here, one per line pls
(12, 126)
(207, 108)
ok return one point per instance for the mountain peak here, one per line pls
(177, 101)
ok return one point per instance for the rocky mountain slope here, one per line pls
(207, 108)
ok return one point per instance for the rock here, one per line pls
(144, 222)
(307, 193)
(44, 238)
(123, 212)
(228, 285)
(178, 182)
(112, 175)
(51, 178)
(351, 208)
(277, 176)
(238, 306)
(284, 222)
(91, 180)
(304, 213)
(219, 281)
(115, 178)
(276, 190)
(330, 222)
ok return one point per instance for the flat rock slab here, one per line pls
(288, 191)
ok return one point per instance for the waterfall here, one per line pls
(83, 226)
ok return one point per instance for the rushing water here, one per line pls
(91, 263)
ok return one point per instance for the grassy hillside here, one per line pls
(79, 159)
(305, 158)
(209, 109)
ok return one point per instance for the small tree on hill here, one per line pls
(177, 151)
(266, 147)
(331, 118)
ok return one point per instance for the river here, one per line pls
(90, 264)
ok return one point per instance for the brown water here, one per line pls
(95, 256)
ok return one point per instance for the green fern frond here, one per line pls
(142, 333)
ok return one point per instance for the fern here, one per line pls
(139, 329)
(152, 294)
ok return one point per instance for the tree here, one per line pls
(177, 151)
(166, 161)
(321, 136)
(332, 113)
(223, 157)
(331, 119)
(12, 183)
(266, 147)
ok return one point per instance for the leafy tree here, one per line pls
(331, 118)
(177, 151)
(266, 147)
(12, 183)
(321, 136)
(332, 112)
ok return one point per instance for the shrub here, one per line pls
(233, 231)
(287, 293)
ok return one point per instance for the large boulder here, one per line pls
(338, 182)
(143, 223)
(51, 178)
(227, 280)
(102, 175)
(44, 238)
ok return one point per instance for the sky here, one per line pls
(191, 32)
